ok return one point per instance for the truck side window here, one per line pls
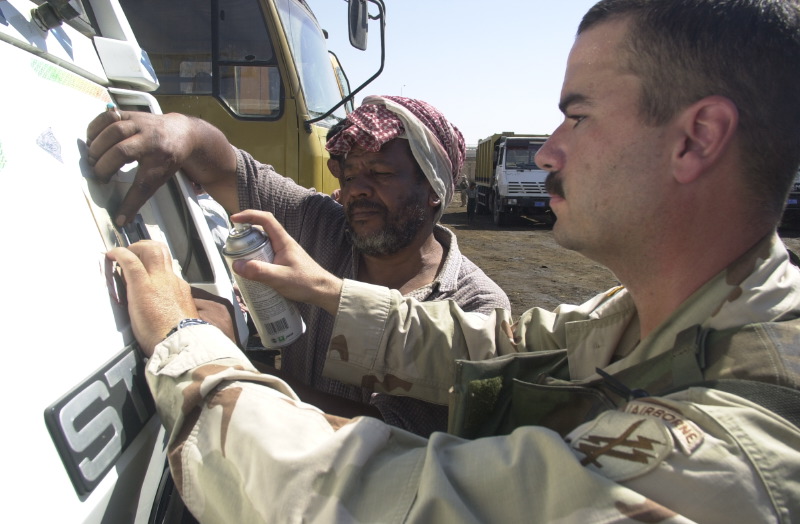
(190, 48)
(249, 79)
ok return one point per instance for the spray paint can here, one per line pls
(277, 320)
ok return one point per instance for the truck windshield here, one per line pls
(520, 154)
(310, 53)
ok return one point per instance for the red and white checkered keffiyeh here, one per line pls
(437, 145)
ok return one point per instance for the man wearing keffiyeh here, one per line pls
(407, 133)
(396, 160)
(437, 145)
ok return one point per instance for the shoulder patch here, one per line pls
(685, 432)
(621, 446)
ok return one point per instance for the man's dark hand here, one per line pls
(157, 142)
(294, 274)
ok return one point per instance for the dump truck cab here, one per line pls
(259, 70)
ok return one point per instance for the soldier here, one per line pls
(672, 398)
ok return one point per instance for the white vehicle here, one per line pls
(508, 180)
(83, 441)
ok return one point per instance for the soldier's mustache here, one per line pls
(554, 185)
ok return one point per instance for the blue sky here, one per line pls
(487, 69)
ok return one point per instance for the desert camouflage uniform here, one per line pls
(242, 452)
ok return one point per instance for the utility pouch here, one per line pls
(493, 397)
(481, 397)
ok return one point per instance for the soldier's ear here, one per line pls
(705, 132)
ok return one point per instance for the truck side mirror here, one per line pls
(357, 20)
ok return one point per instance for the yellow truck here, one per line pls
(259, 70)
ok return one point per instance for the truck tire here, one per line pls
(500, 219)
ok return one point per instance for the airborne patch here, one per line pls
(686, 433)
(621, 446)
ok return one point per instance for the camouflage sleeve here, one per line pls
(398, 345)
(244, 449)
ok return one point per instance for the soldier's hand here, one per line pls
(157, 298)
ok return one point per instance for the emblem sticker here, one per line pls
(94, 424)
(621, 446)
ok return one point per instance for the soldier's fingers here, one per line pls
(154, 256)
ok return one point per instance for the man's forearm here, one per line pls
(212, 163)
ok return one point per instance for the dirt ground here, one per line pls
(527, 263)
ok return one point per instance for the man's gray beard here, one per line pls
(397, 234)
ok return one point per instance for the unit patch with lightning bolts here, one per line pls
(622, 445)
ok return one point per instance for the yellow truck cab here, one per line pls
(259, 70)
